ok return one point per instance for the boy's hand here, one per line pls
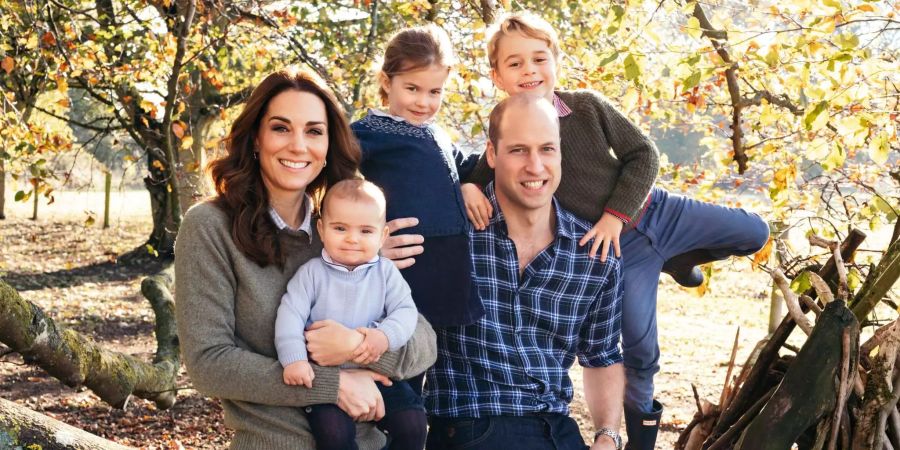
(478, 207)
(373, 346)
(299, 373)
(605, 232)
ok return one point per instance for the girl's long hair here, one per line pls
(238, 178)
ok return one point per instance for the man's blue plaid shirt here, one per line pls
(515, 359)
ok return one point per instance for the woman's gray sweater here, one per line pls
(226, 306)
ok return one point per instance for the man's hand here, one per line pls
(359, 397)
(403, 247)
(299, 373)
(373, 346)
(329, 343)
(478, 207)
(605, 232)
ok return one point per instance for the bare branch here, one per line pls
(821, 287)
(793, 304)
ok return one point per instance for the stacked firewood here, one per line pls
(832, 392)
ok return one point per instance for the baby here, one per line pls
(352, 285)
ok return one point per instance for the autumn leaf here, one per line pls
(178, 129)
(761, 257)
(8, 64)
(48, 39)
(158, 164)
(187, 142)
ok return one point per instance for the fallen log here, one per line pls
(77, 360)
(23, 428)
(808, 391)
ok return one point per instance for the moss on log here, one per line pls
(23, 428)
(78, 361)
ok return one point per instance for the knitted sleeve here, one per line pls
(218, 364)
(637, 154)
(400, 310)
(293, 312)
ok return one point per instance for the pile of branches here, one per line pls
(832, 392)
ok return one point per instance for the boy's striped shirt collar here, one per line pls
(562, 109)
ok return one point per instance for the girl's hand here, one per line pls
(359, 397)
(373, 346)
(329, 343)
(478, 207)
(403, 247)
(605, 232)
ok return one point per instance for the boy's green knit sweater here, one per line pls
(226, 306)
(608, 163)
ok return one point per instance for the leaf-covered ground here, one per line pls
(69, 270)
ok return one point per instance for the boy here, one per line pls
(351, 284)
(660, 232)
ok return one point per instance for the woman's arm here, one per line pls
(218, 363)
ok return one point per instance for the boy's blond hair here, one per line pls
(526, 23)
(355, 190)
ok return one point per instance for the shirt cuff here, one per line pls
(623, 217)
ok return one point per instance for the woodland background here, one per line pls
(787, 108)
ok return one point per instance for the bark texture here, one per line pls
(23, 428)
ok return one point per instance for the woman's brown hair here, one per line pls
(413, 49)
(237, 175)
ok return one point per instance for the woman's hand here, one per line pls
(403, 247)
(605, 232)
(478, 207)
(329, 343)
(359, 397)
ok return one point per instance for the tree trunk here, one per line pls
(107, 187)
(23, 428)
(162, 238)
(76, 360)
(2, 189)
(809, 389)
(192, 186)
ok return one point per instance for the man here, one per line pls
(504, 379)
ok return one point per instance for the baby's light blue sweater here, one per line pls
(373, 296)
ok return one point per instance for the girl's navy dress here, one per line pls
(419, 169)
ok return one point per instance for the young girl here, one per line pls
(409, 156)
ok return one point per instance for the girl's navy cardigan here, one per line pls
(419, 177)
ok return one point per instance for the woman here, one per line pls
(236, 252)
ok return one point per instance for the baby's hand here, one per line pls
(373, 346)
(299, 373)
(478, 207)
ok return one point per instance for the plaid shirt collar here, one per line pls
(565, 228)
(562, 109)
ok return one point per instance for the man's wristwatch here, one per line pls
(611, 434)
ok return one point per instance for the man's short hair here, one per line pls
(518, 100)
(355, 190)
(526, 23)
